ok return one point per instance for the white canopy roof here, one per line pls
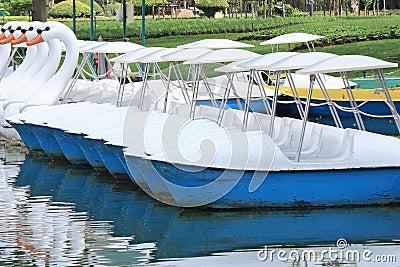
(85, 46)
(265, 61)
(233, 67)
(114, 47)
(295, 37)
(157, 56)
(300, 61)
(215, 44)
(347, 63)
(133, 56)
(223, 55)
(186, 54)
(82, 43)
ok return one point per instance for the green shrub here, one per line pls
(64, 10)
(211, 6)
(6, 13)
(18, 7)
(149, 3)
(289, 10)
(98, 10)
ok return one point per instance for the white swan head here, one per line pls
(51, 30)
(5, 30)
(51, 91)
(28, 32)
(11, 30)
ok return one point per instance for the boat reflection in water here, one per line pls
(65, 215)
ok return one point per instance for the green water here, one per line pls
(368, 83)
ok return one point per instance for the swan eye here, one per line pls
(18, 28)
(47, 28)
(30, 28)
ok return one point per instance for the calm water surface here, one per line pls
(62, 215)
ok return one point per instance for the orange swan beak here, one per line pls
(19, 40)
(8, 39)
(2, 36)
(38, 39)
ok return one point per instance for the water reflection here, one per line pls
(63, 215)
(41, 226)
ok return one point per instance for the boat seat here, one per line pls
(290, 135)
(183, 109)
(330, 151)
(311, 143)
(283, 132)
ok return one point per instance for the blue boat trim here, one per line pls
(285, 189)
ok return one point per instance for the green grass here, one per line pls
(383, 49)
(335, 29)
(339, 30)
(344, 35)
(110, 29)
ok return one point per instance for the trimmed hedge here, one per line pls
(98, 10)
(82, 9)
(211, 6)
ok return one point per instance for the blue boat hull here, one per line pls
(102, 155)
(70, 148)
(119, 153)
(89, 151)
(330, 188)
(113, 164)
(322, 114)
(28, 136)
(48, 142)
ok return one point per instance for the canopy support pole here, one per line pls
(389, 99)
(274, 104)
(295, 94)
(210, 93)
(247, 102)
(225, 98)
(329, 101)
(85, 60)
(143, 89)
(303, 128)
(353, 103)
(263, 93)
(195, 89)
(181, 83)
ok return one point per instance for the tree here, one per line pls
(367, 4)
(39, 10)
(211, 6)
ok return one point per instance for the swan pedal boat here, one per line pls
(192, 156)
(260, 160)
(367, 93)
